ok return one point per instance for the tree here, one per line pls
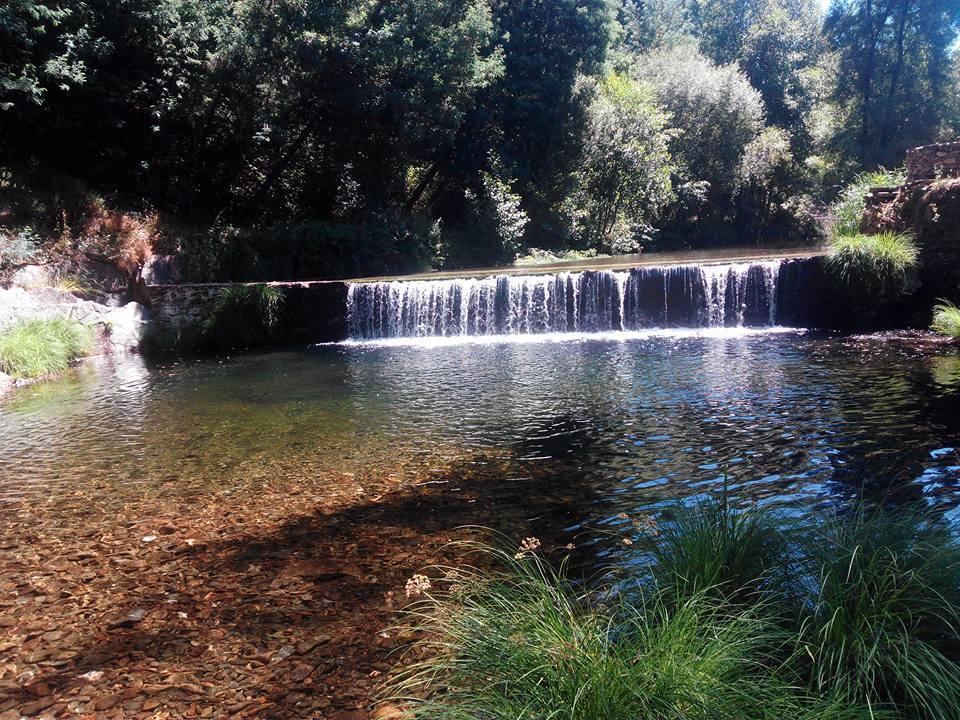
(894, 64)
(780, 54)
(624, 175)
(36, 51)
(714, 109)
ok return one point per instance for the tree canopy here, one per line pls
(309, 137)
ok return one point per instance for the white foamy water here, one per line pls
(739, 295)
(721, 333)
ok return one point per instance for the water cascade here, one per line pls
(693, 296)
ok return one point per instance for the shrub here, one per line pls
(242, 316)
(946, 319)
(872, 262)
(536, 256)
(846, 212)
(43, 346)
(884, 611)
(17, 247)
(126, 239)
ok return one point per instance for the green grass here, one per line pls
(715, 548)
(872, 262)
(862, 625)
(242, 316)
(883, 612)
(43, 346)
(847, 210)
(946, 319)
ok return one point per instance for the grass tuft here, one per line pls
(946, 319)
(43, 346)
(863, 625)
(521, 643)
(847, 211)
(731, 553)
(242, 316)
(878, 262)
(883, 621)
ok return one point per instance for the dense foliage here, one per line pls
(847, 617)
(295, 138)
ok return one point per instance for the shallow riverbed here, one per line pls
(173, 535)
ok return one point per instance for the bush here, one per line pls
(846, 212)
(17, 248)
(43, 346)
(536, 256)
(946, 319)
(310, 249)
(125, 239)
(875, 263)
(242, 316)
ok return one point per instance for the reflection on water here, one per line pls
(631, 423)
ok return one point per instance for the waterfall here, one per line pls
(697, 296)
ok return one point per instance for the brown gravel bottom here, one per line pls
(260, 603)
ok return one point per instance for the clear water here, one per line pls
(621, 422)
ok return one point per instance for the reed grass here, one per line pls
(847, 210)
(714, 547)
(242, 316)
(883, 619)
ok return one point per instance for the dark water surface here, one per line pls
(795, 419)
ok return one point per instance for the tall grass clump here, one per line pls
(43, 346)
(946, 319)
(847, 210)
(855, 616)
(713, 547)
(882, 622)
(242, 316)
(522, 643)
(878, 262)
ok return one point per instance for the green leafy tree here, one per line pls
(893, 72)
(37, 51)
(624, 175)
(714, 109)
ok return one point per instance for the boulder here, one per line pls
(33, 276)
(162, 270)
(126, 325)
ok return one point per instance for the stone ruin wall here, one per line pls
(929, 162)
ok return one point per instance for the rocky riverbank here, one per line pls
(119, 323)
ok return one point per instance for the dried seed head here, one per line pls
(417, 585)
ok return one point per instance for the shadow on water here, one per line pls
(292, 621)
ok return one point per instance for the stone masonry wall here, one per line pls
(312, 311)
(933, 161)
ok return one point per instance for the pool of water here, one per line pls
(623, 422)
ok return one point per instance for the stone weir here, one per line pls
(759, 293)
